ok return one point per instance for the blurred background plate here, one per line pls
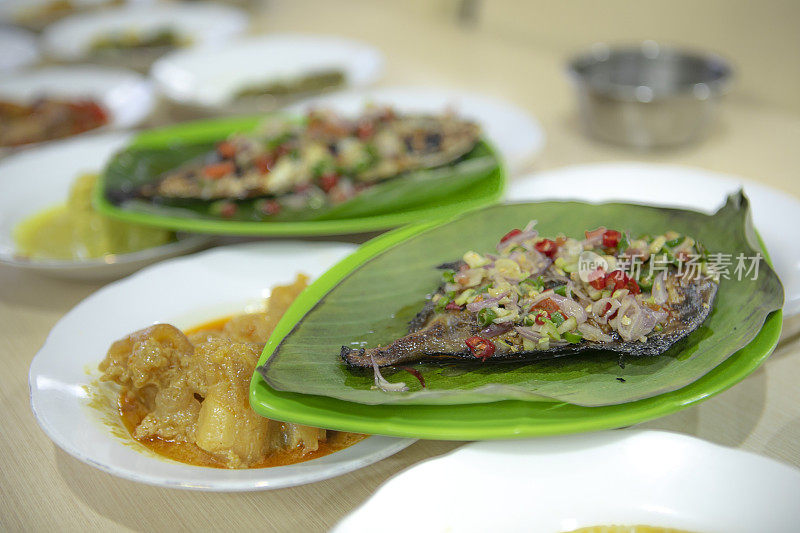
(71, 38)
(209, 78)
(776, 214)
(184, 292)
(36, 14)
(517, 136)
(127, 96)
(40, 178)
(18, 48)
(623, 477)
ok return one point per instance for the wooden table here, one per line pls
(42, 487)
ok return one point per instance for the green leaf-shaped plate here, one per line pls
(474, 181)
(700, 368)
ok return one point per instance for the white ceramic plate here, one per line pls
(18, 48)
(126, 95)
(776, 215)
(516, 134)
(184, 292)
(560, 484)
(203, 23)
(211, 76)
(35, 12)
(40, 178)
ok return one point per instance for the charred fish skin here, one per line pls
(620, 318)
(440, 338)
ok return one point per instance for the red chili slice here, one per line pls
(263, 163)
(228, 209)
(618, 278)
(218, 170)
(270, 207)
(599, 282)
(633, 287)
(611, 238)
(510, 234)
(365, 130)
(547, 305)
(480, 347)
(328, 181)
(540, 317)
(226, 149)
(547, 247)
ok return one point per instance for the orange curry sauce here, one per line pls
(132, 412)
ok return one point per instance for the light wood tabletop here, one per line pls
(757, 137)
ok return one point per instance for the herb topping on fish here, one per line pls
(538, 298)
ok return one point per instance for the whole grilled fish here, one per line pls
(555, 314)
(325, 150)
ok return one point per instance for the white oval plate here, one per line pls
(204, 23)
(36, 12)
(40, 178)
(516, 135)
(18, 48)
(556, 484)
(127, 96)
(211, 76)
(184, 292)
(776, 215)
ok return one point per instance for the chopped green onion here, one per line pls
(561, 290)
(449, 276)
(529, 320)
(486, 316)
(675, 242)
(557, 318)
(624, 243)
(573, 338)
(568, 325)
(535, 284)
(441, 303)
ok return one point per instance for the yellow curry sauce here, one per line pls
(76, 231)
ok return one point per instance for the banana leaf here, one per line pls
(153, 153)
(369, 298)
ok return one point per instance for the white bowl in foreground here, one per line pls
(559, 484)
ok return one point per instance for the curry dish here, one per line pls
(185, 395)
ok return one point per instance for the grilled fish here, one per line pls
(324, 151)
(536, 300)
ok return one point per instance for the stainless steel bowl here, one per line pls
(648, 95)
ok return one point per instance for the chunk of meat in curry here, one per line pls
(195, 389)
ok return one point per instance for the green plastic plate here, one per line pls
(493, 420)
(485, 191)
